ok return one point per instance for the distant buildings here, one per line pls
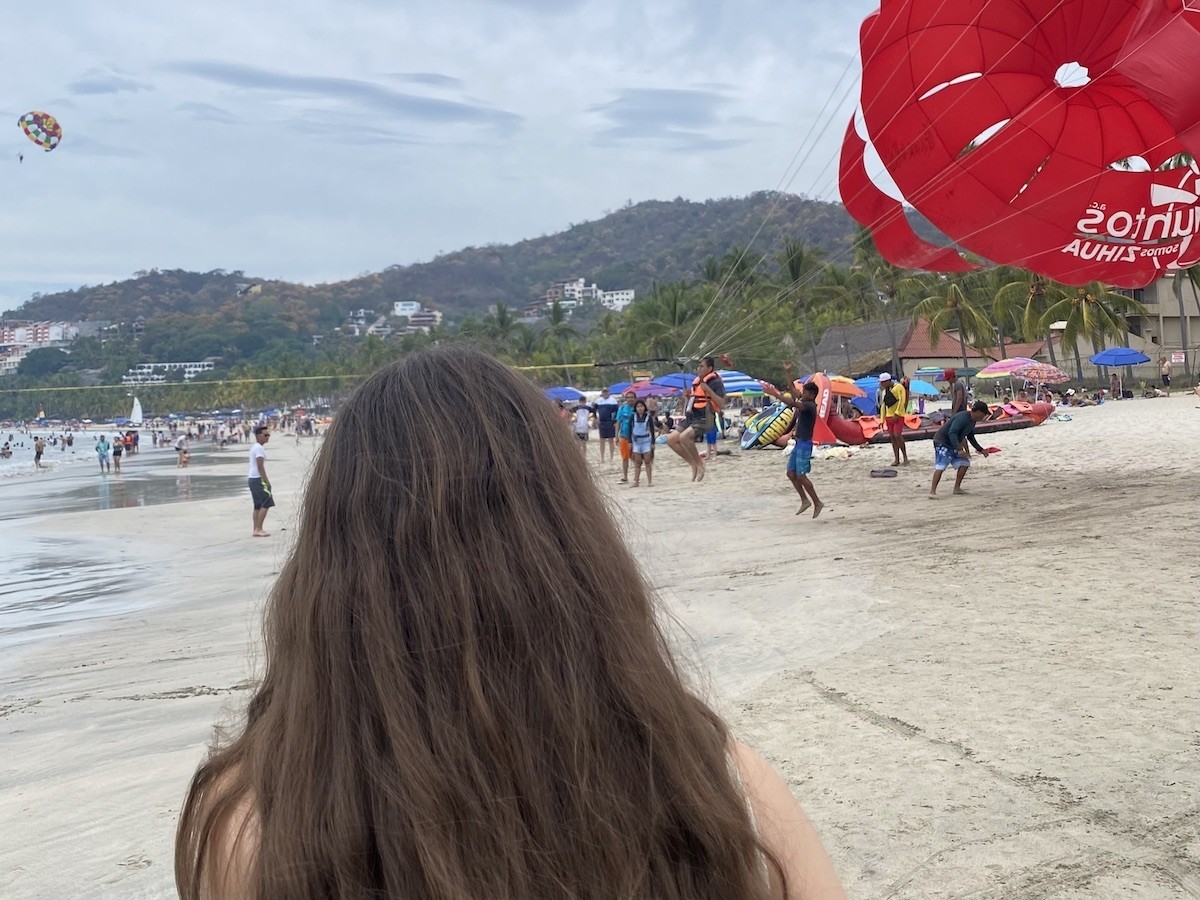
(156, 373)
(38, 334)
(362, 322)
(18, 338)
(574, 292)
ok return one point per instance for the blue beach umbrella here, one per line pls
(920, 388)
(565, 394)
(866, 405)
(620, 387)
(1119, 356)
(680, 380)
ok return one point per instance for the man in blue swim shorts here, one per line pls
(800, 460)
(950, 446)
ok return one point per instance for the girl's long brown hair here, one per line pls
(466, 694)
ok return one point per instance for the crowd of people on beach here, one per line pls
(632, 426)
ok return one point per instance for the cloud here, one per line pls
(433, 79)
(371, 95)
(106, 81)
(347, 128)
(680, 119)
(206, 112)
(82, 145)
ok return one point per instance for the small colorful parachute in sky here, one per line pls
(1057, 135)
(41, 128)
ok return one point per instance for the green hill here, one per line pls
(190, 315)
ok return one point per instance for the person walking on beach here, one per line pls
(180, 451)
(466, 692)
(39, 447)
(800, 459)
(624, 435)
(1164, 371)
(118, 448)
(583, 424)
(957, 390)
(102, 449)
(893, 402)
(642, 433)
(706, 399)
(950, 446)
(260, 484)
(606, 423)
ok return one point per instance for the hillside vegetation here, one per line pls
(634, 247)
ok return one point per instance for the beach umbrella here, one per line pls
(841, 386)
(919, 388)
(620, 387)
(566, 394)
(739, 382)
(1006, 368)
(1029, 369)
(644, 389)
(681, 380)
(963, 372)
(1119, 356)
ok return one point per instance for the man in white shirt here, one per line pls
(260, 484)
(583, 414)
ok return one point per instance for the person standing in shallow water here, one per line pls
(102, 448)
(466, 693)
(260, 484)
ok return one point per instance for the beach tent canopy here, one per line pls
(565, 394)
(1119, 356)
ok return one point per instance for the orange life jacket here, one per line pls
(699, 398)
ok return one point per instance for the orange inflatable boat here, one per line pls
(831, 428)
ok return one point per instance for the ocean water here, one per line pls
(52, 586)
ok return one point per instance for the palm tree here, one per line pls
(499, 325)
(660, 323)
(1093, 311)
(800, 271)
(952, 307)
(559, 332)
(1001, 292)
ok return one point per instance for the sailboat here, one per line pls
(135, 417)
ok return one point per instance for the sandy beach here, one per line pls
(985, 696)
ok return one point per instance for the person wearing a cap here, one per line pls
(950, 446)
(893, 402)
(958, 391)
(260, 484)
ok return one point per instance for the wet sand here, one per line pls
(987, 696)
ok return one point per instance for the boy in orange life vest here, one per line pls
(705, 399)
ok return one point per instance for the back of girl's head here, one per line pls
(466, 692)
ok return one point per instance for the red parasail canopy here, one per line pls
(1071, 171)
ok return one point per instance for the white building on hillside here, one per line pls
(156, 373)
(616, 300)
(406, 308)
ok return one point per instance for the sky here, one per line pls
(313, 141)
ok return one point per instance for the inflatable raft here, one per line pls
(768, 427)
(1005, 417)
(773, 425)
